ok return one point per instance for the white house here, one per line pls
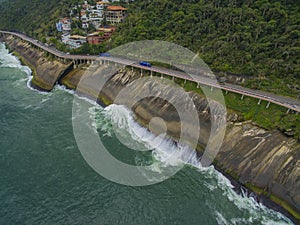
(74, 41)
(102, 5)
(65, 24)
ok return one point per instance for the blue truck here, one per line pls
(105, 54)
(143, 63)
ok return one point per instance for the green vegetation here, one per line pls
(259, 39)
(255, 38)
(275, 199)
(36, 18)
(274, 117)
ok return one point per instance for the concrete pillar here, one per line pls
(132, 69)
(185, 81)
(242, 97)
(151, 73)
(259, 102)
(162, 76)
(287, 112)
(268, 105)
(226, 92)
(198, 85)
(173, 78)
(141, 72)
(211, 89)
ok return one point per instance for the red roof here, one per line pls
(115, 8)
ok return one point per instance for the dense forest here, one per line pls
(35, 17)
(257, 38)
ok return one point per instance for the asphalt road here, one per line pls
(286, 102)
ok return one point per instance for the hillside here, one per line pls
(35, 17)
(255, 38)
(258, 39)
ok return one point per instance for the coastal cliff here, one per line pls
(266, 162)
(45, 71)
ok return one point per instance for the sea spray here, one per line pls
(163, 152)
(8, 60)
(93, 196)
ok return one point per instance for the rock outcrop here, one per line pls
(45, 71)
(267, 162)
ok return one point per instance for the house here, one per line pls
(86, 6)
(74, 41)
(115, 14)
(66, 24)
(101, 35)
(95, 39)
(102, 5)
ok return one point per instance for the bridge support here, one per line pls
(226, 92)
(198, 85)
(287, 112)
(268, 105)
(132, 69)
(242, 97)
(141, 72)
(184, 82)
(151, 73)
(162, 76)
(211, 89)
(259, 101)
(173, 78)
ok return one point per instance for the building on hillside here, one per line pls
(115, 14)
(86, 6)
(74, 41)
(64, 25)
(95, 39)
(102, 5)
(96, 16)
(101, 35)
(59, 26)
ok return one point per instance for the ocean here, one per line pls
(45, 179)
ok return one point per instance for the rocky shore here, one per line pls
(266, 162)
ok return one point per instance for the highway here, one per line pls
(286, 102)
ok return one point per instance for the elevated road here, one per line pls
(286, 102)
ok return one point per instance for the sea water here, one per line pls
(45, 180)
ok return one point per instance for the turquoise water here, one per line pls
(45, 180)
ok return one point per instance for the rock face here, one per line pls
(267, 162)
(45, 72)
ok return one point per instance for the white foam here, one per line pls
(8, 60)
(171, 154)
(63, 88)
(163, 149)
(33, 89)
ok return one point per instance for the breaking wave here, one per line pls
(8, 60)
